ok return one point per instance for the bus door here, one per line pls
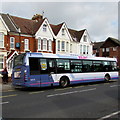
(47, 71)
(34, 72)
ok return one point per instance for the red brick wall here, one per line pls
(20, 39)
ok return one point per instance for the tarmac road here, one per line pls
(96, 100)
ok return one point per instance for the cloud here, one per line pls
(99, 18)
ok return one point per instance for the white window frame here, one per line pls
(58, 46)
(81, 49)
(84, 49)
(44, 44)
(71, 48)
(12, 43)
(114, 48)
(49, 45)
(44, 27)
(103, 49)
(63, 31)
(2, 62)
(63, 45)
(87, 49)
(85, 38)
(1, 40)
(39, 44)
(67, 46)
(26, 44)
(107, 49)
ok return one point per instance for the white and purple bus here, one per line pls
(44, 69)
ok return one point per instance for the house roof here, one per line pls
(56, 28)
(8, 21)
(97, 45)
(114, 40)
(26, 26)
(76, 35)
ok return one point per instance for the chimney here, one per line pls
(37, 17)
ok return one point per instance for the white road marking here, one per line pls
(66, 93)
(4, 103)
(110, 115)
(114, 85)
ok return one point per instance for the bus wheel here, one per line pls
(64, 82)
(107, 78)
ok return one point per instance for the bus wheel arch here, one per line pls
(107, 77)
(64, 81)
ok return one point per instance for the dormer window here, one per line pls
(85, 38)
(44, 27)
(63, 31)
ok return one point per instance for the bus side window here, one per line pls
(76, 66)
(98, 66)
(106, 66)
(87, 66)
(34, 66)
(43, 66)
(63, 66)
(52, 66)
(114, 66)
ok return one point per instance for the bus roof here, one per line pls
(50, 55)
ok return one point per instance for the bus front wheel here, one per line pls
(64, 82)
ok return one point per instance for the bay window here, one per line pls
(49, 45)
(63, 45)
(58, 45)
(45, 44)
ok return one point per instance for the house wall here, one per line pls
(19, 39)
(48, 34)
(88, 43)
(66, 38)
(3, 51)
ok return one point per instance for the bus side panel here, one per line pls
(114, 75)
(86, 77)
(34, 81)
(45, 80)
(82, 77)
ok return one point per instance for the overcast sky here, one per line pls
(99, 18)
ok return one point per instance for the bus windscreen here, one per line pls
(18, 60)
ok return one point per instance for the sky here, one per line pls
(99, 18)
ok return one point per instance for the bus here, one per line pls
(46, 69)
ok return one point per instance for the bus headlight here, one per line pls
(17, 74)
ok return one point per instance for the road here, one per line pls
(91, 100)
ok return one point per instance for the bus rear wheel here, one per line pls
(107, 78)
(64, 82)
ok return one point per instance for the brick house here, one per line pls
(109, 48)
(19, 35)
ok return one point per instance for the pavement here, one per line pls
(4, 87)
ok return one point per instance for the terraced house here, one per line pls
(19, 35)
